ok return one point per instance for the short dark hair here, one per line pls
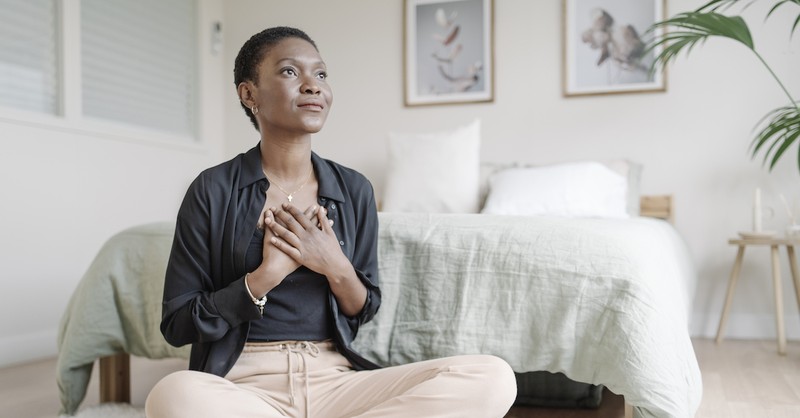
(246, 65)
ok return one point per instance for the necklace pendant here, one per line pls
(289, 197)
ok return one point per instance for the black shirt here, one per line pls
(298, 307)
(205, 301)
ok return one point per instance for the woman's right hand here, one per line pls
(275, 264)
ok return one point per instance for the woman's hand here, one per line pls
(279, 262)
(275, 264)
(310, 242)
(313, 244)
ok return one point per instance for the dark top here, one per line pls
(298, 307)
(206, 303)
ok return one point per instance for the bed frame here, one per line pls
(115, 371)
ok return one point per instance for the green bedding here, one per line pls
(116, 308)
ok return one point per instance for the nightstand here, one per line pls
(774, 244)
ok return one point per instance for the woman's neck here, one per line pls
(286, 159)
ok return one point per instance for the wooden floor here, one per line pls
(741, 379)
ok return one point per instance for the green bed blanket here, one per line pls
(116, 308)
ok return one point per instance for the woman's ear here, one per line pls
(247, 93)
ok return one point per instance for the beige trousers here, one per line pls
(304, 379)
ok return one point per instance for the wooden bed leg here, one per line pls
(628, 410)
(115, 378)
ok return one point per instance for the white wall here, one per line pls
(692, 140)
(68, 186)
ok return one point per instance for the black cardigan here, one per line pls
(205, 301)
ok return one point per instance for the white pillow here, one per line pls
(586, 189)
(633, 173)
(434, 172)
(631, 170)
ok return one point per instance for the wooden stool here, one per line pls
(774, 243)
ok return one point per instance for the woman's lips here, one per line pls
(312, 106)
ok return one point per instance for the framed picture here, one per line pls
(604, 42)
(448, 51)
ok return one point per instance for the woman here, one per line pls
(270, 284)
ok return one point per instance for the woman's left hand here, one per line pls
(310, 242)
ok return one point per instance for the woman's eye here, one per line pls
(322, 75)
(289, 71)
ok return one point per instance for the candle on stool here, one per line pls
(757, 211)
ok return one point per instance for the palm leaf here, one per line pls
(691, 28)
(781, 3)
(781, 131)
(780, 128)
(769, 130)
(796, 23)
(715, 5)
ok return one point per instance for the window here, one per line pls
(109, 66)
(138, 62)
(28, 55)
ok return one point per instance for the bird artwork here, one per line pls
(447, 52)
(618, 43)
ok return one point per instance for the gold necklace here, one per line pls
(290, 196)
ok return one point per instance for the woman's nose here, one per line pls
(310, 86)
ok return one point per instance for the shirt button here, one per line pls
(341, 242)
(333, 206)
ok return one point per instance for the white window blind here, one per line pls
(139, 62)
(28, 55)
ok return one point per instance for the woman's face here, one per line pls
(292, 93)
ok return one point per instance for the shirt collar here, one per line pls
(329, 187)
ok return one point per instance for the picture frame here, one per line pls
(448, 51)
(603, 47)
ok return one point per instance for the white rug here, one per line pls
(109, 410)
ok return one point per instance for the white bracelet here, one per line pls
(260, 302)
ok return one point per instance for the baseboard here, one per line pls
(17, 349)
(745, 326)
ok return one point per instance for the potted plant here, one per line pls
(780, 128)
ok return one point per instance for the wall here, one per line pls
(67, 187)
(692, 140)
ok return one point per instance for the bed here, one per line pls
(602, 301)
